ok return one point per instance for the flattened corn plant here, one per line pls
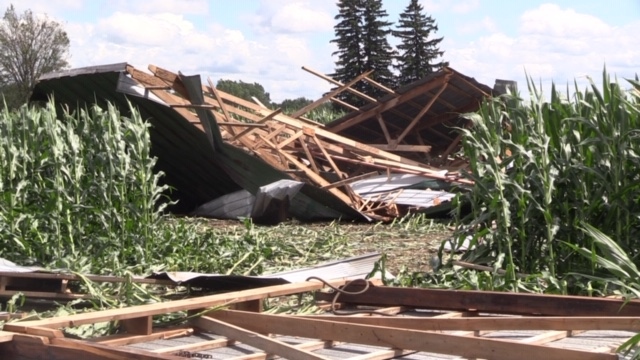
(543, 169)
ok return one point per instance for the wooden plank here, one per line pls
(173, 306)
(470, 347)
(441, 323)
(101, 351)
(44, 295)
(312, 161)
(261, 121)
(351, 179)
(45, 332)
(333, 165)
(138, 326)
(424, 110)
(338, 83)
(408, 148)
(329, 95)
(253, 305)
(309, 346)
(268, 345)
(6, 336)
(384, 354)
(158, 334)
(344, 104)
(202, 345)
(385, 131)
(547, 337)
(223, 106)
(387, 105)
(490, 302)
(312, 175)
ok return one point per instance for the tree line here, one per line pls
(33, 46)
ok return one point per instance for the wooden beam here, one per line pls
(323, 133)
(261, 121)
(563, 323)
(344, 104)
(198, 346)
(309, 346)
(469, 347)
(338, 83)
(127, 339)
(351, 179)
(6, 336)
(491, 302)
(385, 131)
(312, 161)
(329, 95)
(138, 326)
(424, 110)
(409, 148)
(100, 351)
(266, 344)
(312, 175)
(389, 104)
(173, 306)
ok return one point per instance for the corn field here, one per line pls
(547, 172)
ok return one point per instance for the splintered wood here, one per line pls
(399, 322)
(302, 149)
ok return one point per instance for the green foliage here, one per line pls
(245, 90)
(378, 54)
(30, 46)
(542, 169)
(77, 187)
(361, 38)
(323, 114)
(349, 36)
(418, 52)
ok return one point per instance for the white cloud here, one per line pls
(457, 6)
(463, 7)
(552, 44)
(299, 16)
(162, 6)
(55, 9)
(485, 24)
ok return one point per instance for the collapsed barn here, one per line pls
(226, 157)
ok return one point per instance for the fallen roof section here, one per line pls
(418, 324)
(212, 144)
(419, 119)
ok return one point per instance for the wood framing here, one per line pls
(410, 326)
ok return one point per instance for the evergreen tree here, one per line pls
(348, 30)
(378, 54)
(417, 52)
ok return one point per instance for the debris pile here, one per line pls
(349, 169)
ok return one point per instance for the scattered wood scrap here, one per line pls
(434, 324)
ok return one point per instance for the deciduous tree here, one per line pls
(30, 46)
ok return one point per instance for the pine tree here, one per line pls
(377, 51)
(417, 53)
(348, 32)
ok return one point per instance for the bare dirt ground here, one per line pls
(407, 244)
(410, 247)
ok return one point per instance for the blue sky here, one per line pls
(268, 41)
